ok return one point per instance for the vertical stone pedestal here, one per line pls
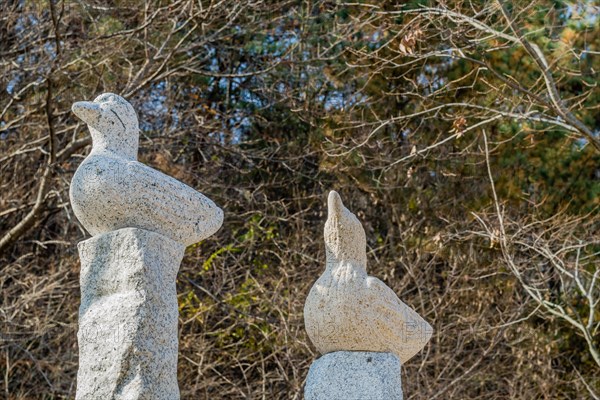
(128, 316)
(349, 375)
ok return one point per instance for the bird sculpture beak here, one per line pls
(334, 204)
(87, 111)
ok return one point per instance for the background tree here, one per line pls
(464, 135)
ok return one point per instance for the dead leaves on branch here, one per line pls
(409, 42)
(458, 126)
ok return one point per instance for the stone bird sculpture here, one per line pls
(112, 190)
(348, 310)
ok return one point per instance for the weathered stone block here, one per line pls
(128, 316)
(350, 375)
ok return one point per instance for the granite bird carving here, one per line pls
(112, 190)
(348, 310)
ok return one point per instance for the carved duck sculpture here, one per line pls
(112, 190)
(348, 310)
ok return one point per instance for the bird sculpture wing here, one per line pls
(174, 204)
(404, 329)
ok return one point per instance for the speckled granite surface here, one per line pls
(354, 375)
(128, 316)
(347, 309)
(112, 190)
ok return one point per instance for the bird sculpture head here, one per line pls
(113, 124)
(344, 235)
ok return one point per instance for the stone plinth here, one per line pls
(348, 375)
(128, 316)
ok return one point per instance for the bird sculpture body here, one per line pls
(112, 190)
(348, 310)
